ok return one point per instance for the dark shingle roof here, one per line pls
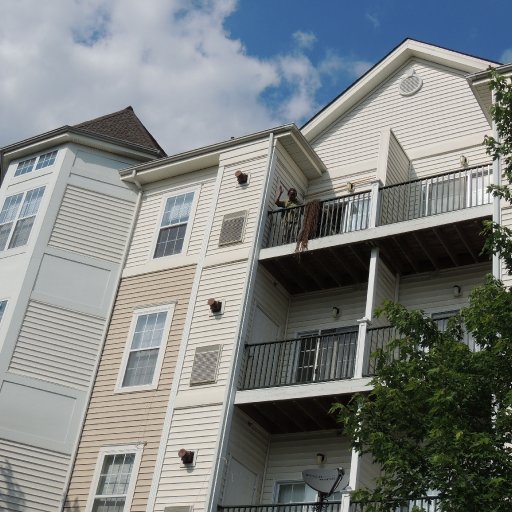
(123, 125)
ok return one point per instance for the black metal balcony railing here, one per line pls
(330, 506)
(299, 361)
(339, 215)
(423, 197)
(427, 504)
(436, 194)
(377, 338)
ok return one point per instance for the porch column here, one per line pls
(368, 313)
(374, 203)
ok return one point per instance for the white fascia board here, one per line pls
(383, 70)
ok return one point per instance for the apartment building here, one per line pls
(227, 345)
(223, 345)
(65, 221)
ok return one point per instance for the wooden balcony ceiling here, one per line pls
(298, 415)
(410, 252)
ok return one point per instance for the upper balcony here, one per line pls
(421, 225)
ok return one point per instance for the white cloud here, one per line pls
(304, 40)
(373, 19)
(506, 56)
(67, 61)
(333, 65)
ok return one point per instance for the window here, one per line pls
(144, 352)
(294, 492)
(17, 217)
(114, 479)
(27, 166)
(3, 305)
(173, 228)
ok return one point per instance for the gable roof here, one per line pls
(406, 50)
(123, 125)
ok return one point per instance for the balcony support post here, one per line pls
(374, 203)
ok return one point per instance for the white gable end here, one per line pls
(444, 110)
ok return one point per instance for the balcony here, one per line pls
(288, 507)
(424, 225)
(426, 504)
(303, 360)
(443, 193)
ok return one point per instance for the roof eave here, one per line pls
(384, 68)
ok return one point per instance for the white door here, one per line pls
(240, 485)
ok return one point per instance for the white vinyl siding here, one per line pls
(57, 345)
(114, 480)
(17, 218)
(92, 224)
(448, 109)
(30, 164)
(143, 356)
(32, 478)
(290, 454)
(398, 164)
(174, 225)
(144, 238)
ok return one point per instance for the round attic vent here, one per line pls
(410, 84)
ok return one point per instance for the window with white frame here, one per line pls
(17, 217)
(174, 225)
(3, 305)
(39, 162)
(143, 357)
(114, 479)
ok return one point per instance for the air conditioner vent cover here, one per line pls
(206, 363)
(410, 84)
(232, 230)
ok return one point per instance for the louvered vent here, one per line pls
(232, 229)
(206, 362)
(179, 508)
(410, 84)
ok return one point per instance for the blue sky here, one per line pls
(200, 71)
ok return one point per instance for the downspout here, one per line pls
(496, 174)
(227, 416)
(138, 202)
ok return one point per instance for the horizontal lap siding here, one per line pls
(450, 161)
(248, 444)
(57, 345)
(234, 198)
(92, 224)
(148, 221)
(385, 284)
(314, 310)
(129, 418)
(290, 455)
(224, 282)
(398, 163)
(435, 291)
(443, 109)
(32, 478)
(506, 220)
(193, 428)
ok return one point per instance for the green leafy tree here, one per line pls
(439, 417)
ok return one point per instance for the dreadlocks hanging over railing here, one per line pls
(310, 225)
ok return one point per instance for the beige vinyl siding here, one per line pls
(148, 222)
(448, 109)
(433, 292)
(310, 311)
(248, 444)
(290, 454)
(194, 429)
(251, 159)
(57, 345)
(33, 478)
(131, 417)
(398, 163)
(92, 224)
(445, 162)
(222, 282)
